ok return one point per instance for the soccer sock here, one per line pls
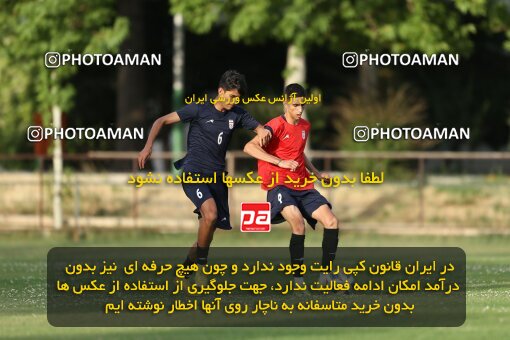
(329, 245)
(190, 258)
(188, 262)
(297, 252)
(202, 254)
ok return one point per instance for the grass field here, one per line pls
(23, 290)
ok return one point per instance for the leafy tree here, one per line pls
(380, 25)
(375, 26)
(29, 29)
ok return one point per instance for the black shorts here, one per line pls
(198, 193)
(307, 201)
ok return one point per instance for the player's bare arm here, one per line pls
(264, 135)
(168, 119)
(253, 149)
(310, 167)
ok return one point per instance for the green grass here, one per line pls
(23, 292)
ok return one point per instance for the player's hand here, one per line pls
(288, 164)
(143, 156)
(324, 176)
(264, 137)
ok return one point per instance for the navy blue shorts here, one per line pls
(198, 193)
(307, 201)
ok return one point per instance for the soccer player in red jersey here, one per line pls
(285, 169)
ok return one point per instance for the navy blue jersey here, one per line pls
(209, 133)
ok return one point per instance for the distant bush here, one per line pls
(400, 107)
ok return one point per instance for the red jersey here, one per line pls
(287, 143)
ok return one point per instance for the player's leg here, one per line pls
(316, 208)
(284, 207)
(293, 216)
(206, 229)
(203, 200)
(211, 201)
(325, 216)
(219, 192)
(206, 222)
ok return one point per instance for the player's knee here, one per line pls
(298, 228)
(210, 216)
(210, 219)
(331, 222)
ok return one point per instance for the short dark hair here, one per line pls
(233, 80)
(294, 88)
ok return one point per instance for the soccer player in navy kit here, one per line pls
(294, 202)
(210, 131)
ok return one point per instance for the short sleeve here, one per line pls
(274, 125)
(188, 112)
(248, 122)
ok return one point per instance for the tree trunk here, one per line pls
(295, 70)
(178, 59)
(131, 80)
(368, 80)
(57, 169)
